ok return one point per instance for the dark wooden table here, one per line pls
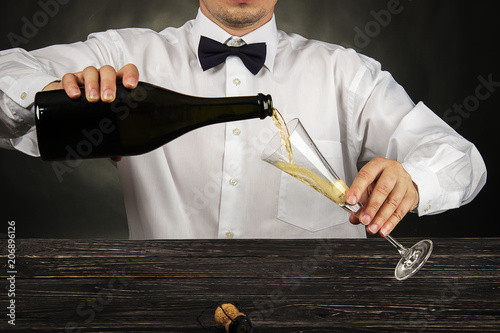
(282, 285)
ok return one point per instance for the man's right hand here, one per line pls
(99, 84)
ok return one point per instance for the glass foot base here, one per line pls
(413, 259)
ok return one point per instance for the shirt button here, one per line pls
(236, 82)
(229, 235)
(236, 131)
(24, 95)
(233, 181)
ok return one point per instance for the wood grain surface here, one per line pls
(335, 285)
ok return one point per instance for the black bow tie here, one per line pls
(213, 53)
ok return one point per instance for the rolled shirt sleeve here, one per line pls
(17, 129)
(448, 170)
(17, 92)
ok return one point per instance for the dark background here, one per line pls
(436, 49)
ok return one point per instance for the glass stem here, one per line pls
(402, 250)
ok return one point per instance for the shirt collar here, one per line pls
(267, 33)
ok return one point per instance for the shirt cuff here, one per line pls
(429, 190)
(27, 143)
(23, 91)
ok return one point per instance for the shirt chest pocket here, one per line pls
(306, 208)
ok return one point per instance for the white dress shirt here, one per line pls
(211, 182)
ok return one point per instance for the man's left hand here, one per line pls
(387, 193)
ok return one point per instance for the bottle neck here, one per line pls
(266, 103)
(263, 103)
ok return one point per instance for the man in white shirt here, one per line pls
(211, 183)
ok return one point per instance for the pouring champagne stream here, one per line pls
(293, 151)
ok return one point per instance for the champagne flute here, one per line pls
(295, 153)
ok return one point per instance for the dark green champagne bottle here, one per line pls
(138, 121)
